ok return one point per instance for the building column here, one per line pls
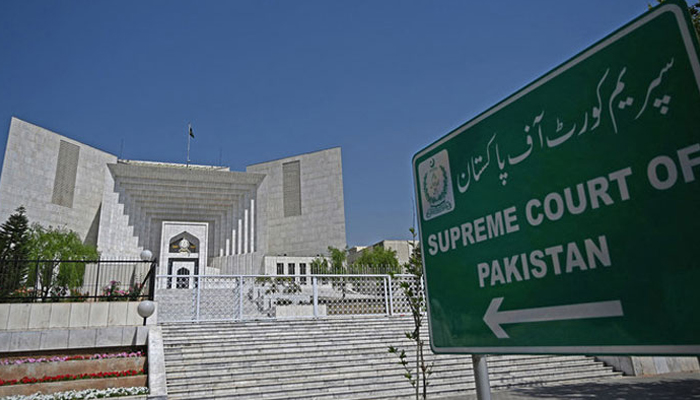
(240, 233)
(245, 229)
(252, 225)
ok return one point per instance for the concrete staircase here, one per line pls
(335, 359)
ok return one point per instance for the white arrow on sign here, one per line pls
(494, 319)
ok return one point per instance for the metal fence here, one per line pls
(249, 297)
(23, 281)
(356, 269)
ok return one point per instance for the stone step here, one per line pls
(250, 333)
(359, 388)
(376, 366)
(348, 387)
(331, 353)
(498, 376)
(232, 365)
(351, 359)
(305, 338)
(461, 389)
(359, 360)
(355, 345)
(300, 335)
(276, 348)
(357, 355)
(270, 323)
(327, 323)
(344, 358)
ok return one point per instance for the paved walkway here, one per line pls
(662, 387)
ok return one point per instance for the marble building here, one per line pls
(196, 219)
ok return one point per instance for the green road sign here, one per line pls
(566, 219)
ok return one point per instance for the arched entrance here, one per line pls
(183, 253)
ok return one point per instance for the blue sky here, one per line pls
(261, 80)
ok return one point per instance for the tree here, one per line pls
(337, 266)
(14, 251)
(54, 246)
(338, 258)
(416, 300)
(377, 260)
(322, 266)
(319, 266)
(694, 11)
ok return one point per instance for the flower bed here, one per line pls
(71, 365)
(61, 373)
(60, 383)
(103, 356)
(83, 394)
(113, 292)
(71, 377)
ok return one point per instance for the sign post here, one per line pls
(566, 219)
(481, 377)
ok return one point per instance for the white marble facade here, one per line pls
(125, 206)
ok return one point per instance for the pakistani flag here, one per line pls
(191, 134)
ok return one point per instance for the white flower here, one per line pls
(83, 394)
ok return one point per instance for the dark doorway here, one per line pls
(185, 268)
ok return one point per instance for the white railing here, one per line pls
(249, 297)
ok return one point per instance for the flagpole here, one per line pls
(188, 143)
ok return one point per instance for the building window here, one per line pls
(302, 272)
(280, 269)
(182, 283)
(290, 269)
(291, 188)
(66, 172)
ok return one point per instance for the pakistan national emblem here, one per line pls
(436, 186)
